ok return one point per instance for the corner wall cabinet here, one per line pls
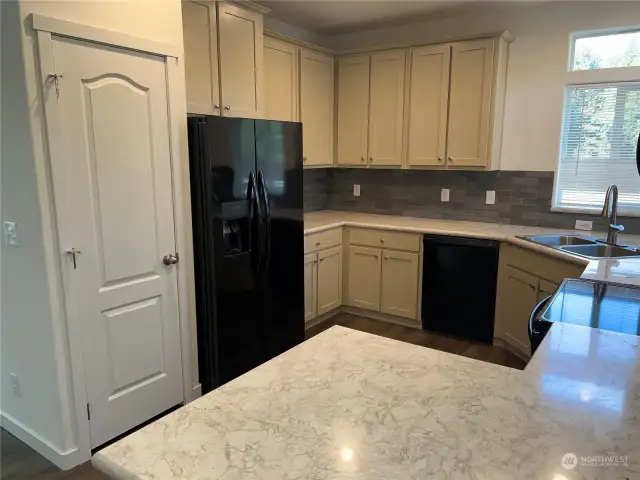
(223, 47)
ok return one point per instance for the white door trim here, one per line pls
(65, 28)
(65, 328)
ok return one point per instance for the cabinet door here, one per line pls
(519, 299)
(201, 58)
(364, 277)
(545, 288)
(400, 283)
(428, 104)
(241, 61)
(316, 107)
(386, 109)
(353, 110)
(329, 279)
(280, 80)
(310, 286)
(470, 103)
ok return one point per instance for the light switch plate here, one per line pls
(356, 190)
(11, 234)
(584, 225)
(444, 195)
(491, 197)
(15, 384)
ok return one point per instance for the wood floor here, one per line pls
(19, 462)
(459, 346)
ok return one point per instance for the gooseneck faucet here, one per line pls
(610, 211)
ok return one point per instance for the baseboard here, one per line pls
(507, 345)
(384, 317)
(321, 318)
(63, 460)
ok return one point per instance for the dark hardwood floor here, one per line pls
(19, 462)
(459, 346)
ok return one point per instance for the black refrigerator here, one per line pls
(246, 201)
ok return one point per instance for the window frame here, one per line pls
(596, 78)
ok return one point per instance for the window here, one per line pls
(601, 124)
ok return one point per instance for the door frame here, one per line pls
(67, 331)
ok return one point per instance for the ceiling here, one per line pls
(338, 16)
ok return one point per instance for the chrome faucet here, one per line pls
(610, 211)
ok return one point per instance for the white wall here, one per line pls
(537, 63)
(33, 334)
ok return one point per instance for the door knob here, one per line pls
(170, 259)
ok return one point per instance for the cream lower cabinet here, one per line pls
(310, 286)
(364, 277)
(399, 287)
(329, 279)
(520, 298)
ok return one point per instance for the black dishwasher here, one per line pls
(459, 281)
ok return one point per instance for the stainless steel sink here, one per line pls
(558, 240)
(600, 251)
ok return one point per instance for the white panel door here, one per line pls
(201, 57)
(428, 103)
(329, 279)
(241, 61)
(399, 289)
(364, 278)
(386, 110)
(280, 80)
(118, 211)
(470, 103)
(316, 107)
(353, 110)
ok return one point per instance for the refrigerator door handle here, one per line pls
(255, 218)
(638, 154)
(266, 211)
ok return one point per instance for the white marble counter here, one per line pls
(626, 270)
(350, 405)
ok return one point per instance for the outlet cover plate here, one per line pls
(356, 190)
(10, 233)
(444, 195)
(584, 225)
(491, 197)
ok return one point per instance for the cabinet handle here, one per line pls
(386, 257)
(227, 107)
(371, 159)
(382, 240)
(321, 259)
(532, 286)
(317, 244)
(450, 160)
(375, 256)
(304, 159)
(315, 261)
(439, 158)
(217, 107)
(362, 159)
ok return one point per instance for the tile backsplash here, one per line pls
(522, 198)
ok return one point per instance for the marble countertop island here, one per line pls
(351, 405)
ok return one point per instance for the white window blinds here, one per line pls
(599, 136)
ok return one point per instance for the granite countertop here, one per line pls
(347, 404)
(622, 270)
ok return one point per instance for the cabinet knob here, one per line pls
(227, 107)
(375, 256)
(304, 159)
(450, 160)
(315, 261)
(386, 257)
(317, 244)
(362, 159)
(532, 286)
(217, 107)
(439, 158)
(382, 240)
(321, 259)
(371, 159)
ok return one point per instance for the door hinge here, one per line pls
(88, 412)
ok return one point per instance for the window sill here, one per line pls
(593, 211)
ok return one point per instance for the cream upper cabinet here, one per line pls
(428, 105)
(353, 110)
(386, 107)
(280, 80)
(470, 103)
(241, 61)
(399, 291)
(329, 279)
(201, 57)
(310, 286)
(364, 277)
(316, 107)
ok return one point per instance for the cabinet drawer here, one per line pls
(322, 240)
(385, 239)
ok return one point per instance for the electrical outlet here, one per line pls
(11, 233)
(584, 225)
(356, 190)
(491, 197)
(444, 195)
(15, 384)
